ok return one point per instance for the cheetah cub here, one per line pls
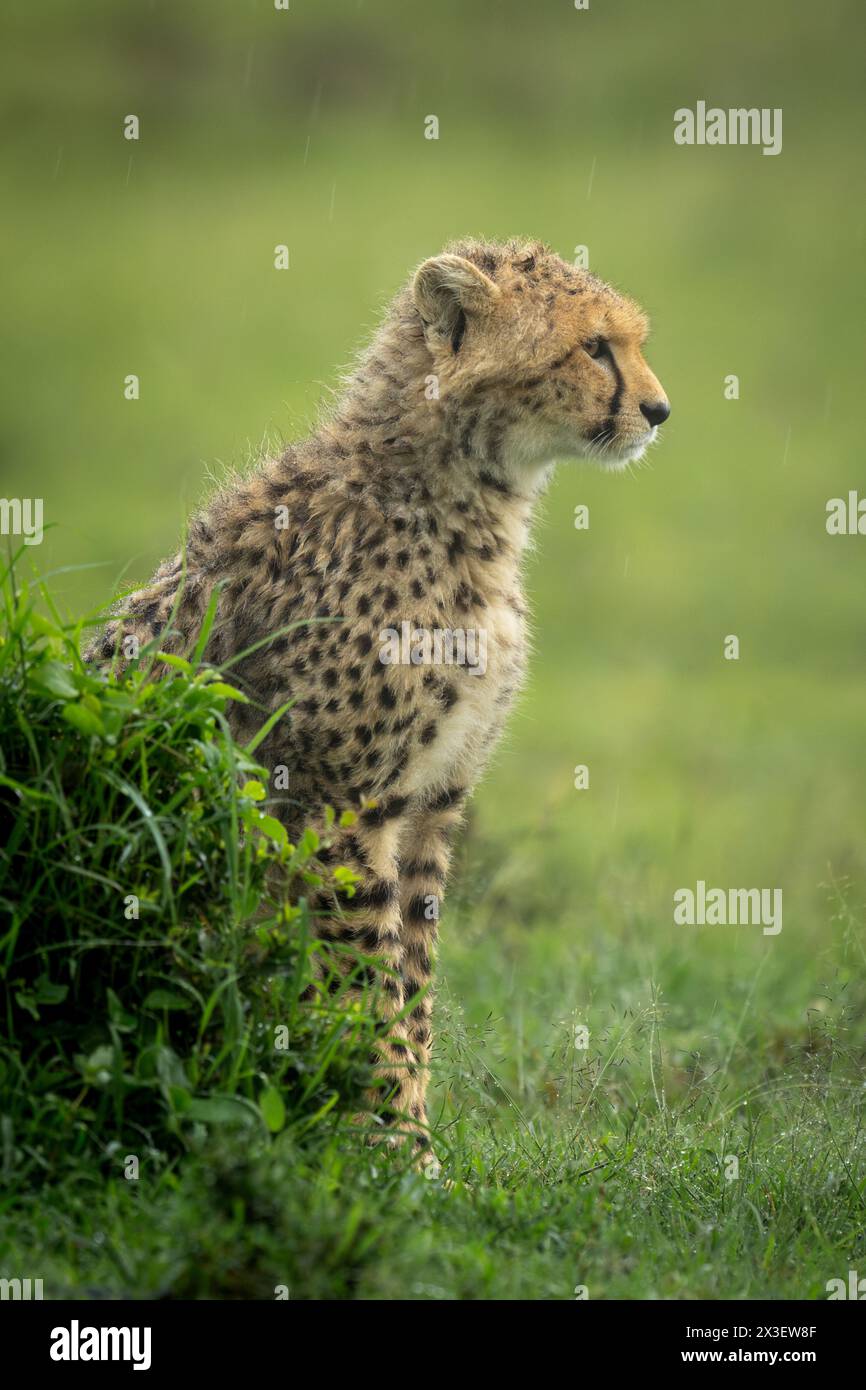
(406, 516)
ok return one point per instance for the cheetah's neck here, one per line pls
(400, 436)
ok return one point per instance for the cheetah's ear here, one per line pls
(446, 289)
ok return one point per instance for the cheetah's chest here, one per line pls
(482, 689)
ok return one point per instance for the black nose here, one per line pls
(657, 413)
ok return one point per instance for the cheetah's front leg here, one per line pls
(370, 922)
(425, 856)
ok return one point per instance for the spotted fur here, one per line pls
(411, 503)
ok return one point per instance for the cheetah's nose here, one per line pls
(656, 413)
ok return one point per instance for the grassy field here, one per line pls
(605, 1166)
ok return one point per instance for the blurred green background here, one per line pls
(306, 127)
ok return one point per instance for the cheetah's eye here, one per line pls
(596, 347)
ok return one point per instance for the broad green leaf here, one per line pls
(98, 1067)
(54, 677)
(83, 719)
(178, 662)
(274, 829)
(220, 1110)
(45, 992)
(179, 1099)
(123, 1022)
(273, 1109)
(164, 999)
(229, 691)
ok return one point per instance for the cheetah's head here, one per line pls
(544, 360)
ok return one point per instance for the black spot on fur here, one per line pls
(452, 797)
(459, 332)
(416, 910)
(385, 811)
